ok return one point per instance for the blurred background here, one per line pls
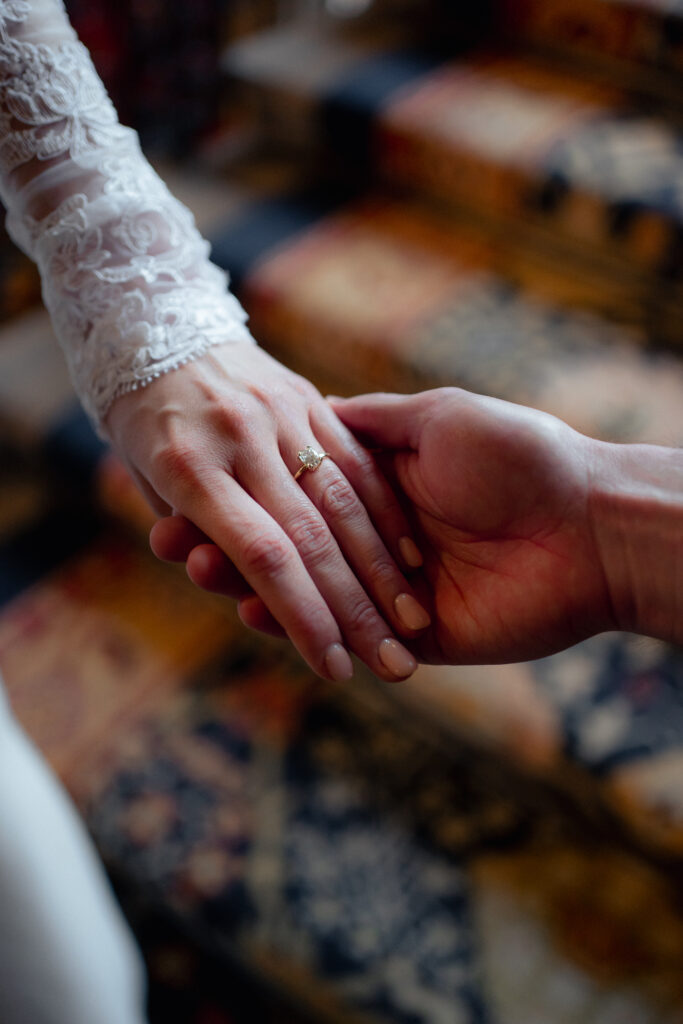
(406, 193)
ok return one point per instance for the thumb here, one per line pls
(391, 421)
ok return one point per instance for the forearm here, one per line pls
(637, 516)
(126, 276)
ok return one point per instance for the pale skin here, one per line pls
(217, 441)
(534, 536)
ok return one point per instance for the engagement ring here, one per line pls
(309, 459)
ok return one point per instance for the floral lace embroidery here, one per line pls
(126, 275)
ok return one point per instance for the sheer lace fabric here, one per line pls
(126, 275)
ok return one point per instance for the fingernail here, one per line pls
(338, 663)
(396, 658)
(410, 553)
(334, 398)
(410, 612)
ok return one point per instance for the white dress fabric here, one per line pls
(126, 275)
(132, 294)
(66, 954)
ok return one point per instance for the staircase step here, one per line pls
(286, 73)
(553, 156)
(316, 837)
(573, 166)
(637, 42)
(382, 295)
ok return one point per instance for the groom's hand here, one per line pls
(500, 498)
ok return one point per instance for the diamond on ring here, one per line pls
(309, 459)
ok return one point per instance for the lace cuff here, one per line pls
(126, 275)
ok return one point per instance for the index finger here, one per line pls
(392, 421)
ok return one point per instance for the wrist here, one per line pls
(636, 511)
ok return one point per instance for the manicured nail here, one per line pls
(410, 553)
(410, 612)
(338, 663)
(396, 658)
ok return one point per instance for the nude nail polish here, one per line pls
(396, 658)
(410, 612)
(410, 553)
(338, 663)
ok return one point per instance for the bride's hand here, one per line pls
(217, 442)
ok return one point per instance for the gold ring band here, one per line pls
(309, 459)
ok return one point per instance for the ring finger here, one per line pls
(364, 629)
(349, 521)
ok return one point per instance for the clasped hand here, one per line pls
(216, 443)
(498, 496)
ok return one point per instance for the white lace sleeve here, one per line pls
(126, 275)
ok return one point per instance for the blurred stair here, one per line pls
(575, 169)
(636, 42)
(494, 220)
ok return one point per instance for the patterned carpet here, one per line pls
(484, 845)
(291, 851)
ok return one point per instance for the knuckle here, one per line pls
(373, 485)
(386, 510)
(363, 465)
(312, 539)
(234, 421)
(304, 387)
(338, 500)
(178, 463)
(264, 556)
(314, 622)
(382, 575)
(361, 616)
